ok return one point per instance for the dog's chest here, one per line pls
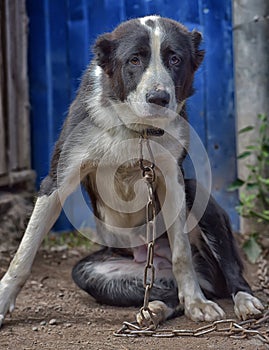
(120, 194)
(125, 181)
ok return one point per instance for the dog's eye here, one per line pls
(174, 60)
(135, 61)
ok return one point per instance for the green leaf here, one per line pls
(262, 117)
(251, 185)
(250, 198)
(235, 185)
(265, 148)
(259, 215)
(263, 180)
(262, 128)
(252, 147)
(252, 168)
(246, 129)
(244, 155)
(252, 249)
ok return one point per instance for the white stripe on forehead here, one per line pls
(155, 30)
(143, 20)
(155, 40)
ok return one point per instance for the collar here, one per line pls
(145, 130)
(152, 132)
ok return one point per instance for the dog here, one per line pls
(135, 89)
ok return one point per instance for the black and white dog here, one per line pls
(136, 85)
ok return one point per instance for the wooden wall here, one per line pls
(14, 99)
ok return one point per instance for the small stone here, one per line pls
(35, 329)
(52, 322)
(59, 248)
(38, 309)
(67, 325)
(34, 283)
(73, 252)
(43, 323)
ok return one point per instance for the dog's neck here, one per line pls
(151, 131)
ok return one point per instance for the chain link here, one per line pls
(254, 327)
(148, 174)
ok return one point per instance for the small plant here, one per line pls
(67, 240)
(254, 196)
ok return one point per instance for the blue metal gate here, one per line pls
(60, 36)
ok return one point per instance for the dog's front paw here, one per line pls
(7, 301)
(203, 310)
(158, 312)
(246, 305)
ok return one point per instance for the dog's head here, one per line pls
(149, 64)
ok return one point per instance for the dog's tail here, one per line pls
(113, 278)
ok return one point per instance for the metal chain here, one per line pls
(148, 174)
(229, 327)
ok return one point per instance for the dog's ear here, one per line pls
(103, 49)
(198, 55)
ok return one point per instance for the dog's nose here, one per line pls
(158, 97)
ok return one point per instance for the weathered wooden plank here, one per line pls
(15, 177)
(14, 121)
(22, 98)
(3, 165)
(10, 53)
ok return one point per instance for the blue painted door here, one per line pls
(60, 36)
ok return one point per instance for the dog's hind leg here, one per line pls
(114, 278)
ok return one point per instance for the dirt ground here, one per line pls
(52, 313)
